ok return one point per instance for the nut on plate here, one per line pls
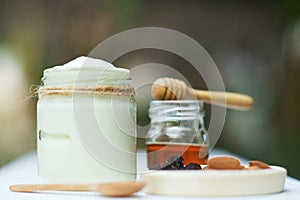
(224, 162)
(259, 164)
(252, 168)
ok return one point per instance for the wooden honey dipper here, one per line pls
(174, 89)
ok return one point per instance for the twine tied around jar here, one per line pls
(99, 90)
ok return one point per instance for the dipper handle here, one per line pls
(174, 89)
(112, 189)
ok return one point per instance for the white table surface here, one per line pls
(24, 170)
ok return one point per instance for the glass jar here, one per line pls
(177, 127)
(76, 146)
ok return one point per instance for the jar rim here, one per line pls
(175, 110)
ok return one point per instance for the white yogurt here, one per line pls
(63, 156)
(92, 72)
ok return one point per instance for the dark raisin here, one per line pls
(173, 163)
(169, 167)
(192, 166)
(176, 161)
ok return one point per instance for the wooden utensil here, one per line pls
(174, 89)
(117, 189)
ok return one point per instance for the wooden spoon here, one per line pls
(174, 89)
(116, 189)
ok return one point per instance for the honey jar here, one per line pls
(177, 128)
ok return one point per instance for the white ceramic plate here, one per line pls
(215, 182)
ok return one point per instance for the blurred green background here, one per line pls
(255, 44)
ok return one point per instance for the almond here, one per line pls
(259, 164)
(241, 167)
(224, 162)
(252, 168)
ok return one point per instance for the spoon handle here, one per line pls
(50, 187)
(225, 99)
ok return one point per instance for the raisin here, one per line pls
(173, 163)
(191, 166)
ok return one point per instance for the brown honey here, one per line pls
(191, 153)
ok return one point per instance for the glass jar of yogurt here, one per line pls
(86, 123)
